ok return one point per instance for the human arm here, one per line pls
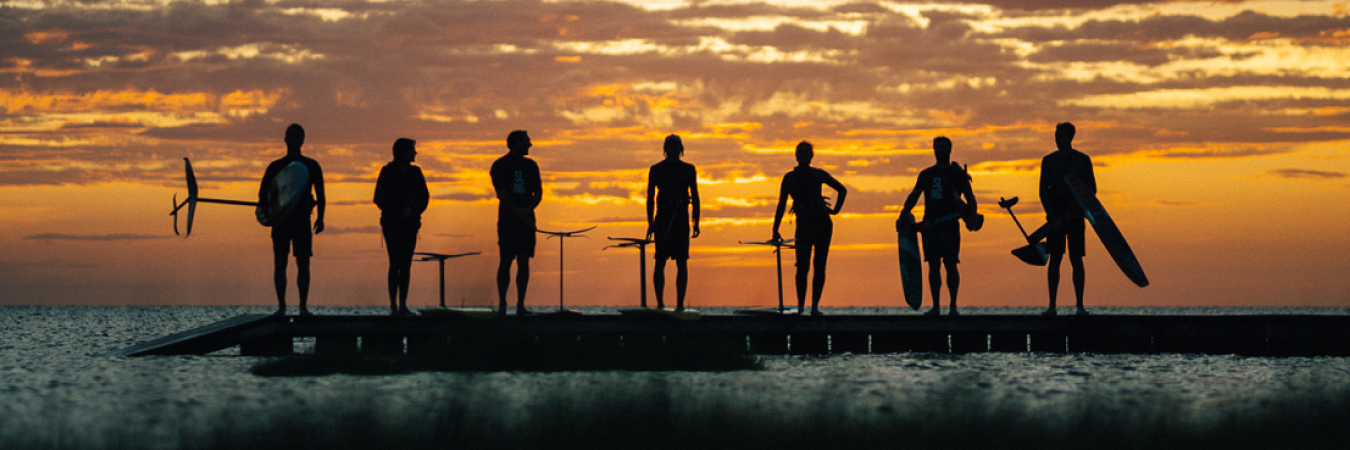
(320, 199)
(843, 193)
(782, 205)
(969, 193)
(421, 194)
(693, 199)
(910, 202)
(1048, 173)
(381, 189)
(1088, 176)
(651, 205)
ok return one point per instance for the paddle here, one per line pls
(1034, 252)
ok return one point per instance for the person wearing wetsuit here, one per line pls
(814, 226)
(1064, 217)
(942, 186)
(673, 184)
(515, 178)
(402, 195)
(289, 217)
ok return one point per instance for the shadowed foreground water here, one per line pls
(55, 394)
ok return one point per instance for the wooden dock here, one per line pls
(1252, 335)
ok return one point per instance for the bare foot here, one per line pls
(934, 312)
(1050, 312)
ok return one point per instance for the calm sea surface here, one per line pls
(53, 380)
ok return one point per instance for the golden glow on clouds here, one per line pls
(51, 111)
(1206, 98)
(87, 108)
(279, 52)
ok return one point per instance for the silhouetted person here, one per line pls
(942, 185)
(673, 184)
(402, 195)
(519, 190)
(1063, 215)
(285, 196)
(814, 227)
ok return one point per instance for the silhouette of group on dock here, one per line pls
(292, 190)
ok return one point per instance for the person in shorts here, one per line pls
(815, 229)
(1063, 216)
(515, 178)
(672, 187)
(291, 188)
(943, 186)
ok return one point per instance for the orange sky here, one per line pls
(1218, 130)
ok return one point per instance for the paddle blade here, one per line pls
(1033, 254)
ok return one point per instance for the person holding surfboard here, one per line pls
(402, 195)
(943, 186)
(1063, 215)
(515, 178)
(284, 203)
(814, 226)
(673, 184)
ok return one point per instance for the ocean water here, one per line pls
(58, 391)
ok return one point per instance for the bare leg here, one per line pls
(405, 279)
(302, 282)
(393, 273)
(279, 262)
(935, 285)
(393, 289)
(681, 282)
(818, 281)
(803, 268)
(659, 282)
(1079, 281)
(953, 283)
(522, 282)
(503, 281)
(1052, 278)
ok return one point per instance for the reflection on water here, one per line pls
(49, 374)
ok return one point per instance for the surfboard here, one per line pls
(661, 313)
(911, 265)
(785, 311)
(557, 313)
(1106, 230)
(465, 313)
(289, 188)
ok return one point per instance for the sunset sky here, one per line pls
(1219, 132)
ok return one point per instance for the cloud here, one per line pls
(93, 237)
(1307, 174)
